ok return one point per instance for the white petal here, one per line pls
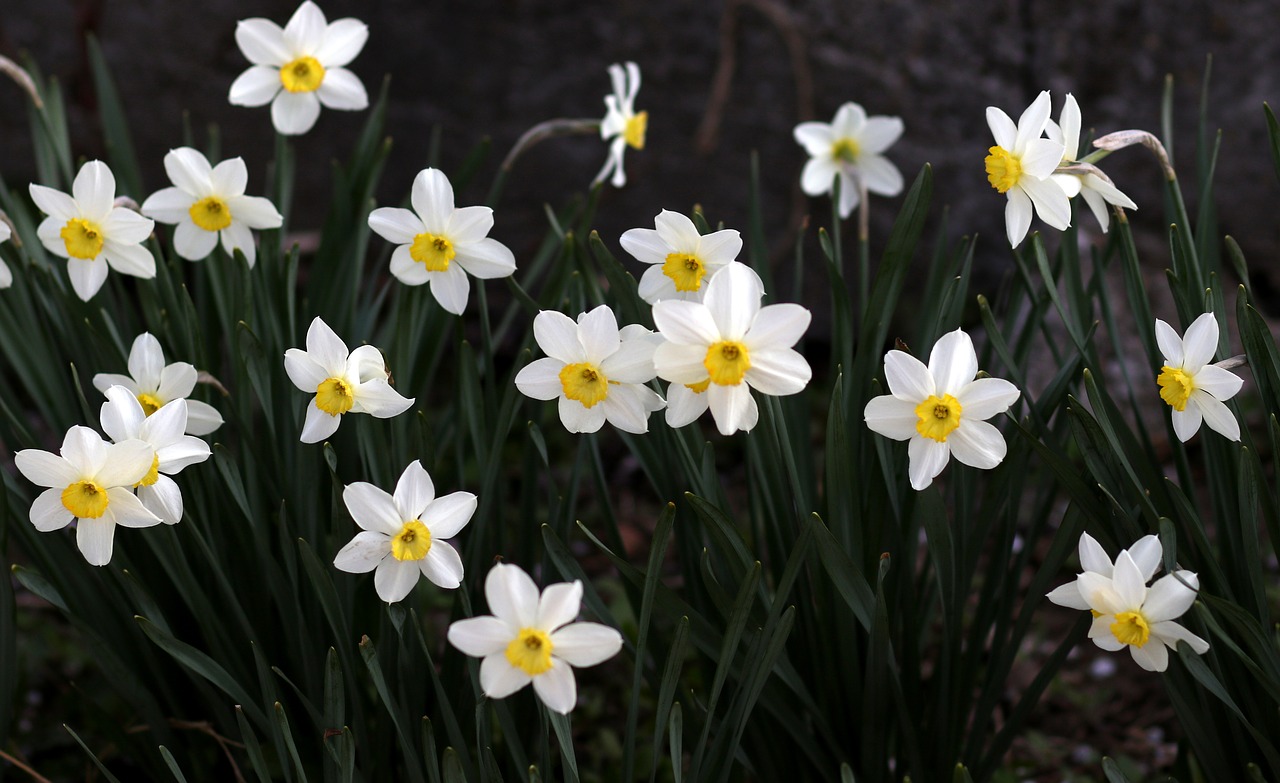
(1050, 200)
(450, 288)
(778, 371)
(719, 248)
(953, 362)
(480, 636)
(645, 245)
(164, 499)
(1017, 216)
(1186, 422)
(294, 113)
(878, 135)
(1169, 598)
(879, 175)
(1152, 657)
(192, 242)
(187, 451)
(1039, 161)
(683, 364)
(48, 513)
(586, 644)
(124, 508)
(105, 380)
(255, 212)
(733, 299)
(363, 553)
(849, 120)
(255, 87)
(1215, 414)
(379, 399)
(94, 190)
(1200, 343)
(732, 407)
(305, 30)
(512, 595)
(146, 363)
(318, 424)
(557, 688)
(342, 89)
(84, 449)
(1002, 128)
(1222, 384)
(1170, 344)
(1108, 192)
(1068, 595)
(632, 362)
(405, 269)
(168, 205)
(598, 331)
(372, 508)
(57, 205)
(926, 459)
(126, 226)
(1146, 553)
(818, 176)
(577, 417)
(262, 42)
(202, 418)
(891, 417)
(469, 224)
(1171, 633)
(125, 463)
(684, 405)
(686, 323)
(432, 198)
(558, 605)
(780, 325)
(1098, 206)
(176, 380)
(977, 444)
(499, 679)
(678, 231)
(1094, 558)
(1100, 593)
(908, 378)
(343, 40)
(986, 397)
(442, 566)
(1100, 633)
(815, 137)
(486, 259)
(121, 415)
(44, 469)
(628, 407)
(446, 516)
(86, 277)
(850, 197)
(189, 169)
(129, 259)
(1031, 123)
(396, 225)
(540, 379)
(394, 579)
(238, 237)
(1128, 583)
(414, 492)
(557, 336)
(95, 537)
(1070, 128)
(325, 347)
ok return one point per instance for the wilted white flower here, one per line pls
(156, 384)
(1194, 388)
(622, 126)
(850, 147)
(1020, 166)
(1097, 191)
(682, 261)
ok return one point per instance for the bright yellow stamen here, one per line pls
(635, 130)
(685, 270)
(434, 251)
(210, 213)
(939, 416)
(1003, 169)
(699, 387)
(85, 499)
(150, 403)
(413, 542)
(1175, 386)
(845, 149)
(302, 75)
(1096, 614)
(334, 397)
(530, 651)
(584, 382)
(1131, 628)
(727, 362)
(153, 475)
(82, 238)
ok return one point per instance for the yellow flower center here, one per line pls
(434, 251)
(85, 499)
(334, 397)
(413, 542)
(530, 651)
(1175, 386)
(635, 130)
(845, 150)
(584, 382)
(1131, 628)
(83, 239)
(150, 403)
(938, 417)
(699, 387)
(302, 75)
(153, 475)
(685, 270)
(1003, 169)
(727, 361)
(210, 213)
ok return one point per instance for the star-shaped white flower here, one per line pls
(622, 126)
(850, 147)
(1192, 387)
(208, 203)
(91, 232)
(301, 67)
(941, 409)
(440, 244)
(6, 276)
(1146, 555)
(1097, 191)
(156, 384)
(403, 533)
(533, 639)
(1020, 166)
(682, 261)
(354, 382)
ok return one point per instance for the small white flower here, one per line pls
(440, 244)
(622, 127)
(88, 230)
(728, 344)
(1097, 192)
(1093, 558)
(156, 384)
(343, 382)
(403, 533)
(850, 147)
(6, 276)
(91, 482)
(300, 67)
(682, 260)
(533, 639)
(1194, 388)
(208, 202)
(1020, 166)
(941, 409)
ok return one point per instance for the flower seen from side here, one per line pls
(6, 276)
(622, 126)
(156, 384)
(1192, 387)
(850, 147)
(682, 261)
(1020, 165)
(1097, 191)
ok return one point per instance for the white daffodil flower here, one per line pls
(157, 384)
(440, 244)
(6, 276)
(682, 261)
(1097, 192)
(1194, 388)
(941, 409)
(90, 481)
(1146, 555)
(403, 533)
(728, 344)
(208, 203)
(91, 232)
(622, 127)
(597, 372)
(1020, 166)
(850, 147)
(300, 68)
(532, 638)
(343, 382)
(123, 419)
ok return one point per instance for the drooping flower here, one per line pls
(440, 244)
(1093, 558)
(6, 276)
(728, 344)
(91, 232)
(941, 409)
(157, 384)
(208, 203)
(90, 481)
(1020, 166)
(403, 534)
(850, 147)
(596, 371)
(1097, 191)
(300, 68)
(1192, 387)
(682, 261)
(532, 638)
(355, 382)
(622, 126)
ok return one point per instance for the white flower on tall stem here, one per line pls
(941, 409)
(850, 147)
(1146, 555)
(622, 126)
(89, 481)
(402, 534)
(1020, 165)
(1097, 191)
(156, 384)
(440, 244)
(1192, 387)
(682, 261)
(208, 203)
(532, 638)
(91, 232)
(6, 276)
(300, 68)
(343, 382)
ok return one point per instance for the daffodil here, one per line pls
(6, 277)
(622, 126)
(91, 232)
(157, 384)
(1192, 387)
(1097, 191)
(300, 68)
(596, 371)
(532, 638)
(403, 534)
(343, 382)
(90, 481)
(1020, 166)
(728, 344)
(682, 261)
(208, 203)
(941, 409)
(441, 244)
(850, 147)
(1093, 559)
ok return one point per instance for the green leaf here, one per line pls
(172, 765)
(201, 664)
(106, 773)
(564, 736)
(115, 125)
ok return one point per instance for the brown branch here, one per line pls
(36, 776)
(204, 727)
